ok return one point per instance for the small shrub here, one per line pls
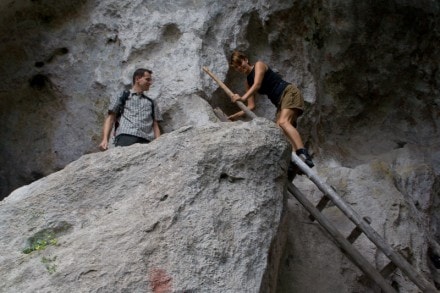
(40, 242)
(48, 263)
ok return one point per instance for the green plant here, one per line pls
(40, 241)
(46, 237)
(48, 263)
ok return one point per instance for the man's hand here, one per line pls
(106, 130)
(103, 146)
(235, 98)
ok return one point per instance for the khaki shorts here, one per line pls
(291, 98)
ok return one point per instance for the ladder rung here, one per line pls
(320, 206)
(388, 269)
(357, 231)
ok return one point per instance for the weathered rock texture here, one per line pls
(190, 212)
(369, 71)
(394, 191)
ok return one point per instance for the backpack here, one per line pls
(121, 105)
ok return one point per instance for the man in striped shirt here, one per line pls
(138, 117)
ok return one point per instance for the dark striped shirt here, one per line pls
(137, 117)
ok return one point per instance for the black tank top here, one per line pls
(272, 86)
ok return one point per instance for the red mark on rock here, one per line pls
(160, 281)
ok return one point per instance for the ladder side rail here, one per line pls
(400, 261)
(229, 93)
(343, 243)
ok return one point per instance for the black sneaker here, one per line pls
(304, 155)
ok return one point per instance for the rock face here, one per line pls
(190, 212)
(369, 72)
(394, 192)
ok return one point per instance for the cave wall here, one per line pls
(369, 72)
(379, 78)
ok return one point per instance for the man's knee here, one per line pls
(287, 118)
(284, 123)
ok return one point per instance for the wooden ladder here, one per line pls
(362, 225)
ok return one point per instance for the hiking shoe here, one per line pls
(304, 155)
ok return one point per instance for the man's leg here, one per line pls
(286, 120)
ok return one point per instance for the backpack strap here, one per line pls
(123, 98)
(152, 107)
(121, 103)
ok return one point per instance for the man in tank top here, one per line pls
(285, 96)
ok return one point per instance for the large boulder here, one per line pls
(198, 210)
(368, 71)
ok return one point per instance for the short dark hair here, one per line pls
(140, 72)
(237, 57)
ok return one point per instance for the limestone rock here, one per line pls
(394, 191)
(368, 71)
(190, 212)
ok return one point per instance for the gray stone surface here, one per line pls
(191, 212)
(368, 71)
(394, 192)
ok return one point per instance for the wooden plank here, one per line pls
(357, 231)
(320, 206)
(221, 115)
(388, 269)
(230, 93)
(344, 245)
(401, 262)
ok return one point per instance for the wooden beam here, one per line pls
(343, 244)
(320, 206)
(401, 262)
(221, 115)
(388, 269)
(229, 93)
(357, 231)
